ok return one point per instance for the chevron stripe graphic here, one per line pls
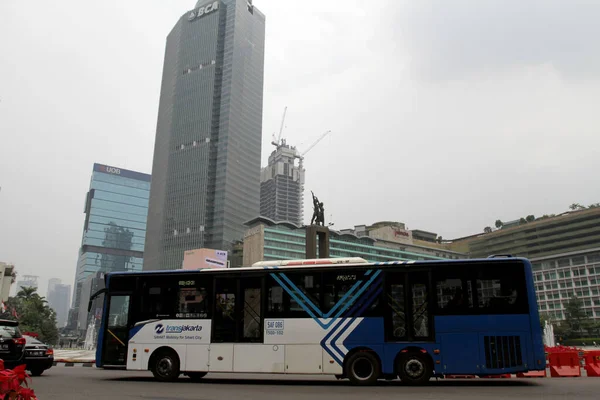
(324, 320)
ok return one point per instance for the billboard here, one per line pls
(204, 258)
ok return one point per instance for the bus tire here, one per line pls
(196, 376)
(165, 365)
(362, 368)
(414, 368)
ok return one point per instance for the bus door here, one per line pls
(116, 333)
(237, 316)
(408, 316)
(236, 319)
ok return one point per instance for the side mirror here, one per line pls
(92, 297)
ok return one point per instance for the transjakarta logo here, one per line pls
(159, 329)
(206, 9)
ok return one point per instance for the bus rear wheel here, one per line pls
(165, 367)
(414, 369)
(196, 376)
(362, 368)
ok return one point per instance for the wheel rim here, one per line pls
(363, 369)
(414, 368)
(164, 367)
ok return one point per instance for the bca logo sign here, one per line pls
(159, 329)
(205, 9)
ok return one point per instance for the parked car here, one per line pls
(12, 343)
(38, 356)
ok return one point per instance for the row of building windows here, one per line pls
(538, 277)
(296, 242)
(567, 262)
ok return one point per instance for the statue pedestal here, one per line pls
(317, 234)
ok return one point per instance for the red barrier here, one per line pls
(532, 374)
(497, 376)
(592, 363)
(564, 363)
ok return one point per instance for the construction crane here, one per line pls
(301, 156)
(277, 141)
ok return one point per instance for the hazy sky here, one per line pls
(446, 115)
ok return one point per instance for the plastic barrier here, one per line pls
(592, 363)
(532, 374)
(564, 364)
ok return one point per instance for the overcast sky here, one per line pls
(446, 115)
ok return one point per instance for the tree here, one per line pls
(562, 331)
(499, 224)
(27, 293)
(595, 205)
(487, 229)
(575, 317)
(543, 320)
(530, 218)
(522, 221)
(33, 313)
(576, 206)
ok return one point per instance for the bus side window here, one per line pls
(158, 299)
(453, 295)
(193, 301)
(340, 291)
(304, 286)
(502, 291)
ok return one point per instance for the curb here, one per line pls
(70, 363)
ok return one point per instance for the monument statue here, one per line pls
(318, 217)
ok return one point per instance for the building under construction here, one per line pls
(282, 181)
(282, 187)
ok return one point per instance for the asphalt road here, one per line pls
(66, 383)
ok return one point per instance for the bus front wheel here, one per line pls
(362, 368)
(165, 367)
(414, 369)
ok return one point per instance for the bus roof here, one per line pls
(269, 265)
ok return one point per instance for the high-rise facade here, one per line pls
(58, 299)
(114, 231)
(281, 186)
(206, 168)
(27, 281)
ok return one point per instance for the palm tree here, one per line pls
(27, 293)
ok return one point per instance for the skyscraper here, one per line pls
(114, 231)
(206, 169)
(58, 299)
(281, 186)
(27, 281)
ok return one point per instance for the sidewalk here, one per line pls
(78, 356)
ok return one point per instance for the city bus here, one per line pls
(343, 317)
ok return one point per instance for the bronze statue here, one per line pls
(318, 217)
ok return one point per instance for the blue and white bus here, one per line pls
(342, 317)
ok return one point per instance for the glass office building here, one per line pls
(206, 167)
(114, 231)
(267, 240)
